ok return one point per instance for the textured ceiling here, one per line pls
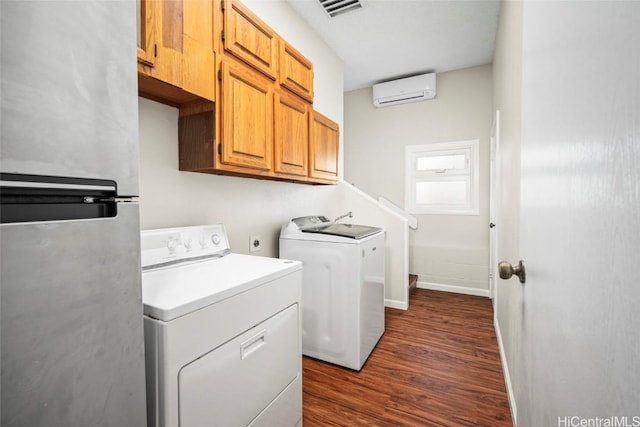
(389, 39)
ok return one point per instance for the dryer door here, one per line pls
(235, 382)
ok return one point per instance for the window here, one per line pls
(442, 178)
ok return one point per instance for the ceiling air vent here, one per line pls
(340, 7)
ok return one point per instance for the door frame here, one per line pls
(493, 204)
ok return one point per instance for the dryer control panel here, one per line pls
(169, 246)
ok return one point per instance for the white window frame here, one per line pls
(470, 174)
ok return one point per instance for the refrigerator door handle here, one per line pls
(32, 198)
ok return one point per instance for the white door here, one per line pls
(578, 357)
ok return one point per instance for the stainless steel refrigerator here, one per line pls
(71, 324)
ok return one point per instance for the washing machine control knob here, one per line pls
(188, 244)
(172, 244)
(215, 239)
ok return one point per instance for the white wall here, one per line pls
(246, 206)
(447, 251)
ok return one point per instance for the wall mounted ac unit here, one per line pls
(410, 89)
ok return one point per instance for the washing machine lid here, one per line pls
(352, 231)
(318, 224)
(174, 291)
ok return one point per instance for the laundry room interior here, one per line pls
(339, 229)
(443, 252)
(447, 252)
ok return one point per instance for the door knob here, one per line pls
(507, 270)
(491, 225)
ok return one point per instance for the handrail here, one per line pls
(412, 221)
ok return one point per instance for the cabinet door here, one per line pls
(176, 59)
(324, 140)
(198, 59)
(291, 135)
(247, 117)
(146, 31)
(168, 66)
(295, 72)
(247, 37)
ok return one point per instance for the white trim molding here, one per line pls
(507, 376)
(453, 289)
(401, 305)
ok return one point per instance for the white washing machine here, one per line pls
(222, 332)
(342, 287)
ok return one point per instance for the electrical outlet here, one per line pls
(255, 243)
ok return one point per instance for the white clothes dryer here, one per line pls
(222, 332)
(342, 287)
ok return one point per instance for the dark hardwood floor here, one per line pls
(436, 365)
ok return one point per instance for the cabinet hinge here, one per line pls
(222, 35)
(220, 149)
(220, 75)
(222, 5)
(155, 50)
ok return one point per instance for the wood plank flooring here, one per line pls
(436, 365)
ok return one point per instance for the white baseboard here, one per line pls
(507, 376)
(391, 303)
(454, 289)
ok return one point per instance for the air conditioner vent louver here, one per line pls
(340, 7)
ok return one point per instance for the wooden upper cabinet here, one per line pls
(247, 118)
(295, 72)
(163, 25)
(324, 144)
(176, 59)
(291, 135)
(247, 37)
(260, 123)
